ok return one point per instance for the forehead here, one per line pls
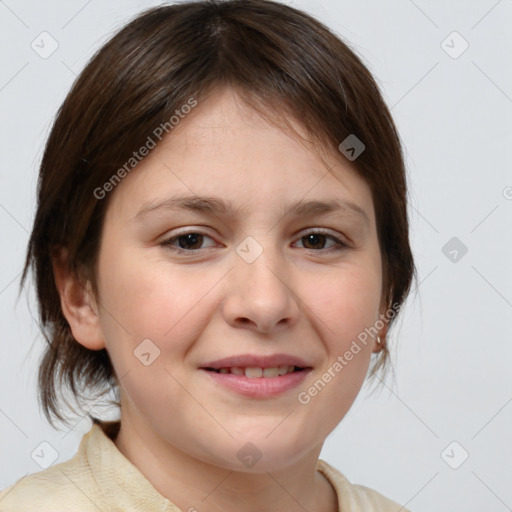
(225, 149)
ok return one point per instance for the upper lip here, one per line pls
(256, 361)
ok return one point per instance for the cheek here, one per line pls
(346, 304)
(146, 299)
(152, 313)
(342, 311)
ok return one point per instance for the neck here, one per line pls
(194, 485)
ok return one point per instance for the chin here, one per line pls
(261, 454)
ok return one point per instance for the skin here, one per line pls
(180, 429)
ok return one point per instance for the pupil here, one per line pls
(189, 239)
(314, 238)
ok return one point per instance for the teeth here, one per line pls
(254, 372)
(283, 370)
(270, 372)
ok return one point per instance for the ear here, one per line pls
(77, 303)
(378, 347)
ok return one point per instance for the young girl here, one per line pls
(221, 239)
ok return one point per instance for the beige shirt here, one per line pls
(99, 478)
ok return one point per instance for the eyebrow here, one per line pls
(218, 206)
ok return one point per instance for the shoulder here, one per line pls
(371, 498)
(43, 491)
(68, 486)
(357, 498)
(55, 488)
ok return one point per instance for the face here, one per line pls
(274, 286)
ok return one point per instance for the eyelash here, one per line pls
(168, 242)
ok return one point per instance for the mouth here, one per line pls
(255, 372)
(257, 376)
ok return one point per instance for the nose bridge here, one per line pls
(259, 265)
(260, 292)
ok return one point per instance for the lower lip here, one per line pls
(259, 387)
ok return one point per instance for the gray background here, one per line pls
(453, 353)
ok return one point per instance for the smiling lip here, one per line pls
(258, 387)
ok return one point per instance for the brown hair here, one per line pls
(281, 60)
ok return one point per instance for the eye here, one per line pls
(318, 238)
(187, 242)
(192, 241)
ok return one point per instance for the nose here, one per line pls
(260, 295)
